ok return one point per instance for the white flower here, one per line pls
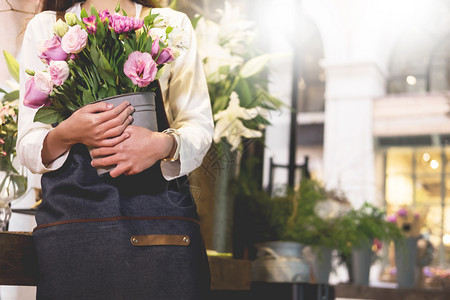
(230, 126)
(178, 39)
(161, 22)
(235, 33)
(215, 57)
(330, 209)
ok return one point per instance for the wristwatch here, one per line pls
(176, 135)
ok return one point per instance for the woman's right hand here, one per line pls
(98, 125)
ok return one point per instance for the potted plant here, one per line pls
(308, 216)
(410, 221)
(363, 231)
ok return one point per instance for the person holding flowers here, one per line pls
(133, 234)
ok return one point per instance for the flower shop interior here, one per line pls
(327, 177)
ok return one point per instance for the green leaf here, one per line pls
(195, 20)
(254, 66)
(102, 92)
(169, 29)
(220, 103)
(148, 45)
(13, 65)
(150, 19)
(87, 97)
(245, 94)
(3, 91)
(104, 68)
(48, 115)
(83, 14)
(160, 72)
(101, 32)
(111, 92)
(128, 49)
(94, 11)
(11, 96)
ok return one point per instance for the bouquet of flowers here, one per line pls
(99, 56)
(409, 221)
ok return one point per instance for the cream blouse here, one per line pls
(184, 91)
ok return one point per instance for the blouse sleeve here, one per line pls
(31, 134)
(190, 107)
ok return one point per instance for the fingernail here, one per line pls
(109, 106)
(127, 135)
(92, 163)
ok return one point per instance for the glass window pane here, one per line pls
(433, 224)
(428, 161)
(447, 159)
(399, 189)
(428, 190)
(399, 160)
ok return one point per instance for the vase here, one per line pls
(144, 114)
(361, 262)
(13, 184)
(406, 262)
(321, 264)
(211, 189)
(280, 261)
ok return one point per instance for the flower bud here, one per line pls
(60, 28)
(71, 19)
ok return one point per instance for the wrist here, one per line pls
(174, 153)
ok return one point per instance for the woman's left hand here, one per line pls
(135, 154)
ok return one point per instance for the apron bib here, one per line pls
(131, 237)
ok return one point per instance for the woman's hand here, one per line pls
(98, 125)
(135, 154)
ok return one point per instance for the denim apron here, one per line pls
(131, 237)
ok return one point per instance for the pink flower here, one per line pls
(37, 89)
(392, 219)
(59, 71)
(402, 212)
(74, 40)
(51, 50)
(122, 24)
(91, 24)
(155, 47)
(104, 15)
(166, 55)
(377, 245)
(140, 68)
(416, 215)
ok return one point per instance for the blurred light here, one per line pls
(446, 239)
(434, 164)
(411, 80)
(426, 156)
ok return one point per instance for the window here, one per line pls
(420, 177)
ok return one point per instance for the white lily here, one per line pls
(229, 123)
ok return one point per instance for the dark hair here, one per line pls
(62, 5)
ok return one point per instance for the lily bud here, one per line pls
(71, 19)
(60, 28)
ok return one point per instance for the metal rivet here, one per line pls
(135, 240)
(186, 239)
